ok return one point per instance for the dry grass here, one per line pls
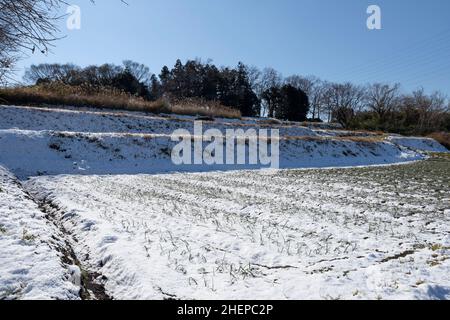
(108, 98)
(370, 139)
(321, 125)
(204, 108)
(366, 132)
(271, 121)
(79, 96)
(373, 139)
(441, 137)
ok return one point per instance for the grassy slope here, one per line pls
(108, 98)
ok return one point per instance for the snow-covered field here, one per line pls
(103, 184)
(249, 235)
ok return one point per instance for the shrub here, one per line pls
(441, 137)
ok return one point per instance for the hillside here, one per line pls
(101, 211)
(72, 141)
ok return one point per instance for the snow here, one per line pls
(43, 141)
(109, 121)
(422, 144)
(246, 235)
(154, 230)
(32, 153)
(31, 267)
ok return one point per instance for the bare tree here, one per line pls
(303, 83)
(319, 99)
(428, 110)
(344, 101)
(29, 24)
(26, 26)
(51, 72)
(254, 77)
(326, 105)
(140, 71)
(382, 98)
(269, 80)
(6, 66)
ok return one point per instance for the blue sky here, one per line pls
(326, 38)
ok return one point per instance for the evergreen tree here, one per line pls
(165, 78)
(247, 101)
(155, 89)
(294, 104)
(211, 82)
(127, 82)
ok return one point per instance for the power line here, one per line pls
(398, 54)
(420, 61)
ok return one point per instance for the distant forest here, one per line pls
(31, 26)
(265, 92)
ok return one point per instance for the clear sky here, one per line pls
(326, 38)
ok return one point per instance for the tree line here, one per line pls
(29, 26)
(266, 92)
(231, 87)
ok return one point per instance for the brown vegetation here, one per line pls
(372, 139)
(204, 108)
(78, 97)
(441, 137)
(110, 98)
